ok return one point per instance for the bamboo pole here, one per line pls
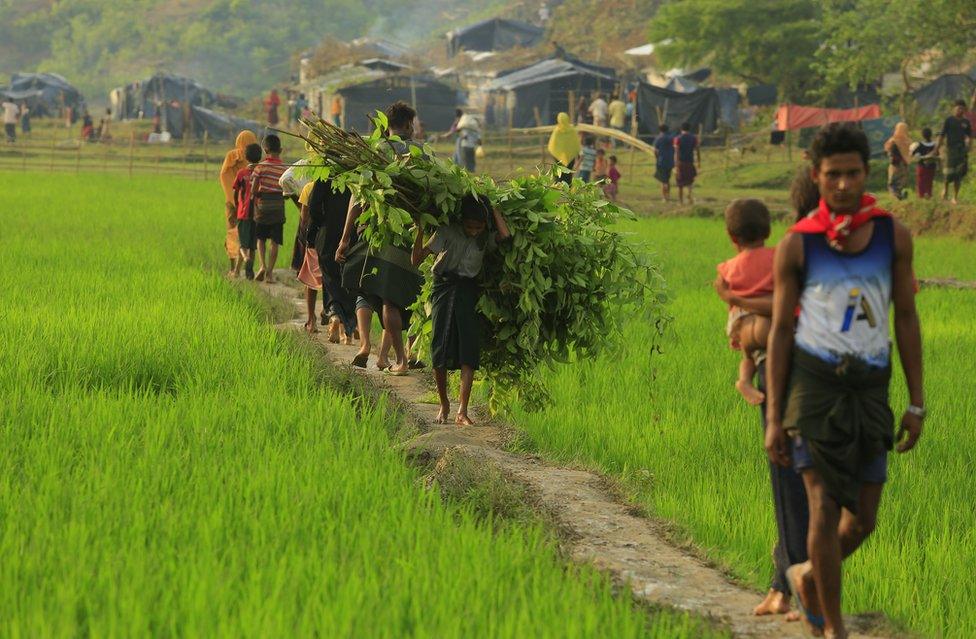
(54, 146)
(511, 157)
(206, 148)
(572, 105)
(132, 147)
(538, 122)
(78, 156)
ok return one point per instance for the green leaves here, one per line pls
(557, 292)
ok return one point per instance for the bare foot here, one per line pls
(259, 276)
(382, 364)
(792, 616)
(334, 328)
(775, 603)
(462, 419)
(270, 278)
(753, 395)
(801, 577)
(442, 414)
(311, 327)
(399, 369)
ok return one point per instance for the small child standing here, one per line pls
(748, 280)
(613, 175)
(600, 167)
(269, 206)
(456, 340)
(587, 159)
(243, 204)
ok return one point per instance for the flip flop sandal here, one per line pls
(390, 371)
(806, 616)
(382, 368)
(359, 361)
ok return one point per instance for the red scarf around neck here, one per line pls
(838, 226)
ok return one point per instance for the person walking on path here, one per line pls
(456, 325)
(957, 138)
(335, 111)
(469, 139)
(664, 162)
(828, 410)
(924, 153)
(25, 119)
(10, 113)
(564, 145)
(269, 207)
(686, 151)
(898, 148)
(234, 161)
(271, 105)
(599, 110)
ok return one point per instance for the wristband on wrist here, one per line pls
(917, 411)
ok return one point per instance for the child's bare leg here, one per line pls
(272, 258)
(364, 318)
(747, 370)
(262, 250)
(440, 376)
(383, 358)
(467, 379)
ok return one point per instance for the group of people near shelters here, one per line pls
(578, 155)
(810, 320)
(331, 257)
(14, 114)
(955, 137)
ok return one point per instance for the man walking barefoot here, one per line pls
(843, 266)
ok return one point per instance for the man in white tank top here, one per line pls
(829, 365)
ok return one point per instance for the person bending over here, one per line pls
(456, 341)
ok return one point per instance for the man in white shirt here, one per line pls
(598, 109)
(10, 113)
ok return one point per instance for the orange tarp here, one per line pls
(790, 117)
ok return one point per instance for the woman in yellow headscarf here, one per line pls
(564, 144)
(234, 161)
(898, 148)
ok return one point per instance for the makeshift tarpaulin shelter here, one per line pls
(933, 96)
(761, 95)
(45, 94)
(435, 101)
(878, 132)
(790, 117)
(169, 92)
(496, 34)
(728, 106)
(545, 86)
(220, 126)
(657, 105)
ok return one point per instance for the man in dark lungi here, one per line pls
(957, 138)
(456, 341)
(686, 152)
(828, 411)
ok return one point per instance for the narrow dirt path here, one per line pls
(594, 525)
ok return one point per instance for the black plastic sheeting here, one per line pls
(46, 94)
(435, 101)
(728, 106)
(932, 98)
(221, 126)
(140, 99)
(496, 34)
(656, 105)
(761, 95)
(545, 86)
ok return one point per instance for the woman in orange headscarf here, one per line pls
(234, 161)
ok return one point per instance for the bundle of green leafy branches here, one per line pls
(560, 290)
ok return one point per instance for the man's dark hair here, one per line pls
(927, 134)
(475, 208)
(613, 158)
(663, 128)
(252, 153)
(400, 115)
(960, 103)
(747, 220)
(272, 143)
(804, 192)
(686, 126)
(588, 140)
(837, 138)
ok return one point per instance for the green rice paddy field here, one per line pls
(170, 464)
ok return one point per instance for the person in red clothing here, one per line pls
(245, 213)
(748, 275)
(613, 177)
(272, 104)
(269, 206)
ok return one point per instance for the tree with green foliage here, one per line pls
(757, 41)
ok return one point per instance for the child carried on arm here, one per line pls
(745, 283)
(456, 341)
